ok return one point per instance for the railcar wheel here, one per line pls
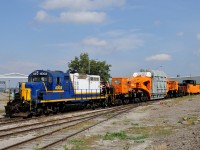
(126, 101)
(118, 102)
(136, 100)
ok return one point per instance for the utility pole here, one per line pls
(9, 90)
(89, 66)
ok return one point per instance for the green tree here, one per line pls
(83, 64)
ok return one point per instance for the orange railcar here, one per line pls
(120, 85)
(141, 87)
(121, 89)
(172, 88)
(145, 85)
(189, 87)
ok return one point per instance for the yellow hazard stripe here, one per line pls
(72, 99)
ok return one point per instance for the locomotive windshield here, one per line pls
(40, 76)
(38, 79)
(189, 82)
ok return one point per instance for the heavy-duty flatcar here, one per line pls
(53, 91)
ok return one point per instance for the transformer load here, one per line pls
(149, 84)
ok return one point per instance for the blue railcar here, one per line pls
(53, 91)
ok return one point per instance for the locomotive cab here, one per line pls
(189, 87)
(40, 86)
(185, 82)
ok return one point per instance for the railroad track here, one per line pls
(30, 133)
(7, 121)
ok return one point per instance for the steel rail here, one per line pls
(80, 131)
(54, 120)
(84, 120)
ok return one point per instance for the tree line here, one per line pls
(83, 64)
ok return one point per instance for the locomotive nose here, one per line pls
(25, 92)
(29, 90)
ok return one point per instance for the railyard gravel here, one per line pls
(169, 124)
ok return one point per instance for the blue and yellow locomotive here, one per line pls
(54, 91)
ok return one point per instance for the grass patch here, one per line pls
(114, 123)
(76, 145)
(175, 101)
(159, 147)
(151, 130)
(112, 136)
(2, 111)
(77, 142)
(124, 136)
(37, 147)
(146, 108)
(180, 99)
(188, 120)
(81, 143)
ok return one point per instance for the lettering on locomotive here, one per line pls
(58, 87)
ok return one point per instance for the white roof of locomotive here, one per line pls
(142, 74)
(150, 73)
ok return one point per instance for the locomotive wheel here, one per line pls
(39, 112)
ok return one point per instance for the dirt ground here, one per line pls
(172, 124)
(3, 102)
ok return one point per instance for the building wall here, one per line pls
(180, 79)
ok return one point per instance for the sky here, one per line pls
(128, 34)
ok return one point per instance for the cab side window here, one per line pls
(58, 81)
(50, 79)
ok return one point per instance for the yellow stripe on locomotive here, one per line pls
(25, 92)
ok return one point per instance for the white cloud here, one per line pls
(159, 57)
(198, 36)
(41, 15)
(109, 45)
(81, 4)
(94, 42)
(82, 17)
(105, 44)
(127, 43)
(76, 11)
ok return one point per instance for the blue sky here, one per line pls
(128, 34)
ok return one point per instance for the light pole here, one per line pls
(89, 67)
(9, 90)
(159, 67)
